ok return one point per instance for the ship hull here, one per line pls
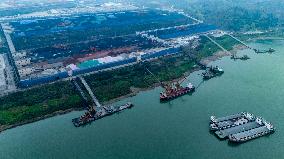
(177, 94)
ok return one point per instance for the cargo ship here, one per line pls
(92, 114)
(240, 127)
(270, 50)
(177, 91)
(174, 89)
(212, 72)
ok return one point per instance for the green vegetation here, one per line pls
(226, 41)
(42, 100)
(109, 85)
(37, 102)
(207, 48)
(46, 99)
(240, 15)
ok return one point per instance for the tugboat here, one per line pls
(245, 57)
(271, 50)
(173, 90)
(212, 72)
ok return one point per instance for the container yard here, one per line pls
(240, 127)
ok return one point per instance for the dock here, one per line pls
(270, 50)
(246, 45)
(93, 115)
(95, 110)
(240, 127)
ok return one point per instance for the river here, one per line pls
(178, 129)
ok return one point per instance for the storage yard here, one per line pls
(48, 49)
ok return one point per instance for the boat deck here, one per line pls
(250, 134)
(230, 117)
(233, 130)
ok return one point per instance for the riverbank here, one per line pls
(176, 68)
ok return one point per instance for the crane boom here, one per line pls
(184, 78)
(161, 83)
(153, 75)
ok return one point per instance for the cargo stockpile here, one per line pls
(125, 62)
(240, 127)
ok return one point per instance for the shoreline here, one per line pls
(57, 113)
(134, 91)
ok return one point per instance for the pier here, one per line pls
(270, 50)
(94, 98)
(240, 41)
(81, 92)
(221, 47)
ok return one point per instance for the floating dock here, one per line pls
(240, 127)
(101, 112)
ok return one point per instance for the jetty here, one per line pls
(240, 127)
(95, 114)
(270, 50)
(95, 110)
(94, 98)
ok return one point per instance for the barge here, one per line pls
(240, 127)
(243, 58)
(212, 72)
(93, 115)
(270, 50)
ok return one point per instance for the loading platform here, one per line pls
(93, 115)
(240, 127)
